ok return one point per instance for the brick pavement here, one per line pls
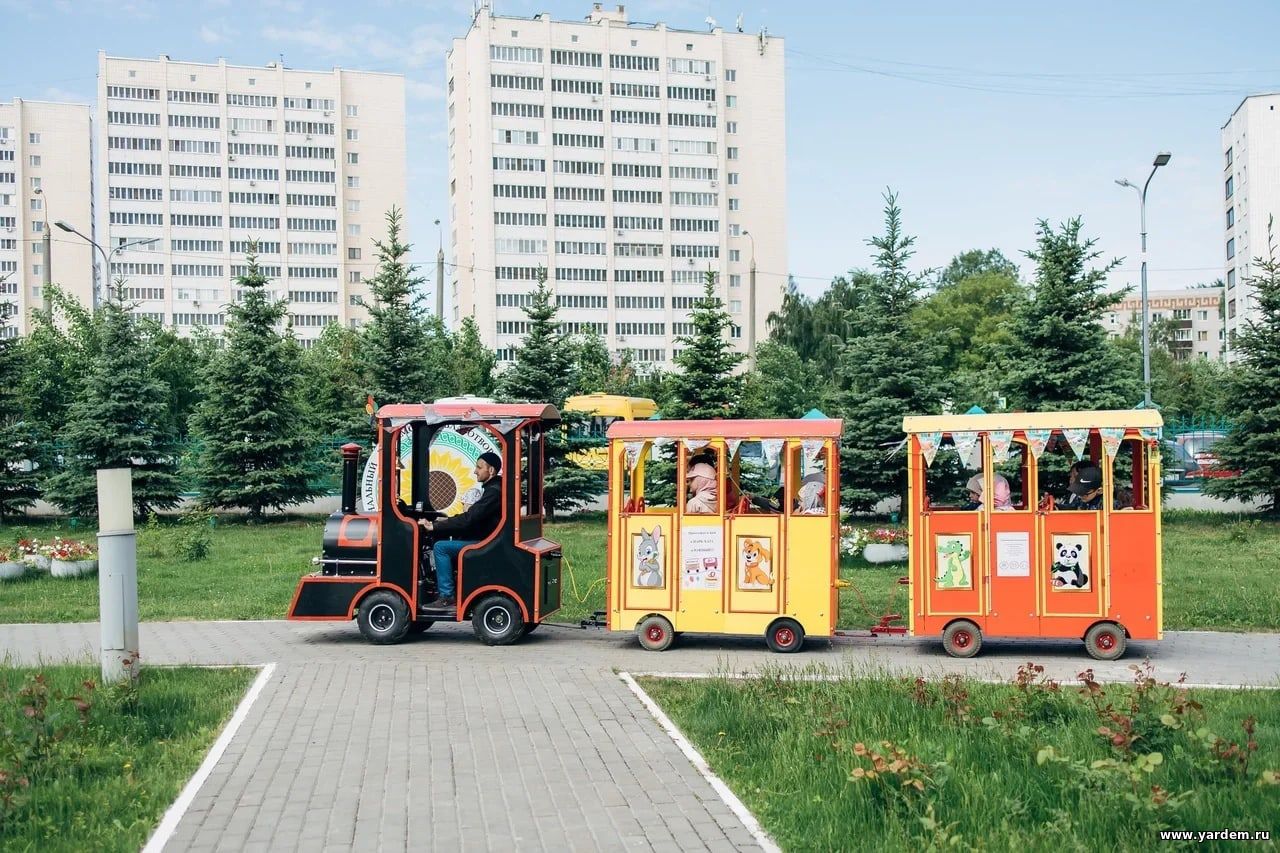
(442, 743)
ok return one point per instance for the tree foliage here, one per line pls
(473, 363)
(975, 263)
(704, 385)
(18, 488)
(780, 384)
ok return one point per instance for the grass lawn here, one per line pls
(790, 750)
(1219, 571)
(105, 784)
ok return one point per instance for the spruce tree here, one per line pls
(18, 487)
(1057, 356)
(119, 419)
(255, 451)
(704, 385)
(886, 370)
(544, 372)
(1252, 447)
(394, 342)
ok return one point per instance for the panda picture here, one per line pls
(1070, 563)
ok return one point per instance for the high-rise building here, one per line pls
(206, 158)
(1193, 318)
(45, 175)
(626, 159)
(1251, 196)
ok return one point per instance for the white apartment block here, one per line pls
(1195, 313)
(625, 158)
(45, 175)
(207, 157)
(1251, 196)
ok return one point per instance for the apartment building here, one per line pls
(45, 175)
(200, 159)
(626, 159)
(1195, 314)
(1251, 196)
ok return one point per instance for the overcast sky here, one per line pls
(984, 116)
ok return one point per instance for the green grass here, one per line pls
(1218, 574)
(787, 748)
(106, 784)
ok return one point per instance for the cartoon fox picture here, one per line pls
(757, 563)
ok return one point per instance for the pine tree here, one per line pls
(473, 362)
(255, 449)
(1058, 356)
(704, 385)
(119, 419)
(544, 372)
(55, 354)
(18, 488)
(394, 342)
(1252, 447)
(334, 386)
(886, 370)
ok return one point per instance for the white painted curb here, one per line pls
(169, 823)
(690, 752)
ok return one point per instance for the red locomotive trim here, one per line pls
(524, 611)
(371, 536)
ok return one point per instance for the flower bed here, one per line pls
(70, 558)
(12, 566)
(874, 544)
(33, 554)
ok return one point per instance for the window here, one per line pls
(695, 173)
(269, 223)
(1202, 335)
(353, 229)
(255, 149)
(640, 302)
(574, 87)
(633, 63)
(1231, 248)
(35, 183)
(638, 223)
(735, 280)
(353, 135)
(1129, 477)
(639, 277)
(353, 182)
(353, 277)
(1229, 158)
(1231, 216)
(680, 250)
(508, 246)
(133, 93)
(34, 138)
(510, 218)
(1230, 187)
(638, 250)
(519, 191)
(578, 220)
(641, 329)
(353, 158)
(519, 110)
(567, 300)
(516, 137)
(735, 230)
(578, 274)
(195, 146)
(516, 81)
(301, 176)
(734, 178)
(691, 120)
(730, 127)
(206, 122)
(251, 100)
(34, 159)
(579, 167)
(635, 143)
(575, 247)
(808, 492)
(693, 146)
(133, 143)
(691, 66)
(634, 90)
(257, 125)
(640, 196)
(730, 75)
(947, 480)
(708, 225)
(730, 100)
(735, 204)
(732, 153)
(183, 170)
(636, 170)
(575, 57)
(635, 117)
(1231, 309)
(577, 140)
(693, 199)
(37, 204)
(1231, 278)
(690, 93)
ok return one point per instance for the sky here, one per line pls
(984, 117)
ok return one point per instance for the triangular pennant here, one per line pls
(772, 450)
(966, 443)
(632, 449)
(1078, 439)
(1152, 433)
(693, 445)
(1037, 439)
(1001, 440)
(929, 443)
(732, 444)
(1111, 438)
(812, 447)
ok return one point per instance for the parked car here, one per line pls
(1199, 445)
(1181, 467)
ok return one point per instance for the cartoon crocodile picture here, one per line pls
(953, 559)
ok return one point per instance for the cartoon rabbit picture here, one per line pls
(648, 558)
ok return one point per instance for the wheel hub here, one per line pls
(785, 636)
(1106, 641)
(655, 633)
(496, 620)
(382, 617)
(961, 639)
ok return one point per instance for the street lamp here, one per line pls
(1162, 159)
(106, 256)
(751, 301)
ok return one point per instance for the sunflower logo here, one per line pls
(452, 475)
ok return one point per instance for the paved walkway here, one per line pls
(443, 743)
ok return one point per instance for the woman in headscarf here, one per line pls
(1004, 499)
(702, 489)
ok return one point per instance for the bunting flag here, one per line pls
(1001, 440)
(693, 445)
(772, 450)
(966, 444)
(1037, 439)
(732, 444)
(1078, 439)
(1111, 437)
(632, 450)
(929, 443)
(1152, 433)
(812, 448)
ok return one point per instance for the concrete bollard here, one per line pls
(117, 575)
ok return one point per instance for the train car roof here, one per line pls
(467, 411)
(1123, 418)
(744, 429)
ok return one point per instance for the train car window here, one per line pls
(702, 481)
(659, 474)
(808, 493)
(754, 485)
(947, 481)
(1129, 476)
(530, 462)
(1013, 470)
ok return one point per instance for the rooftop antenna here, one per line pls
(711, 22)
(739, 24)
(764, 38)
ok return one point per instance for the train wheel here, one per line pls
(655, 633)
(420, 626)
(962, 639)
(785, 636)
(1105, 641)
(497, 620)
(384, 617)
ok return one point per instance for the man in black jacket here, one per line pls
(471, 525)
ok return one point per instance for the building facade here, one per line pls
(45, 175)
(627, 160)
(1251, 196)
(1195, 316)
(202, 159)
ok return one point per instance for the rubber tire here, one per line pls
(530, 627)
(375, 608)
(962, 639)
(655, 633)
(778, 643)
(1105, 641)
(500, 609)
(420, 626)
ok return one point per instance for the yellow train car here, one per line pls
(723, 527)
(604, 410)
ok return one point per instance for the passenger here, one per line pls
(702, 489)
(1085, 489)
(1124, 498)
(1004, 499)
(472, 525)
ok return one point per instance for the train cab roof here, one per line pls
(743, 429)
(467, 411)
(1113, 418)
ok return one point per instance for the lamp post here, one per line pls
(106, 256)
(1162, 159)
(751, 301)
